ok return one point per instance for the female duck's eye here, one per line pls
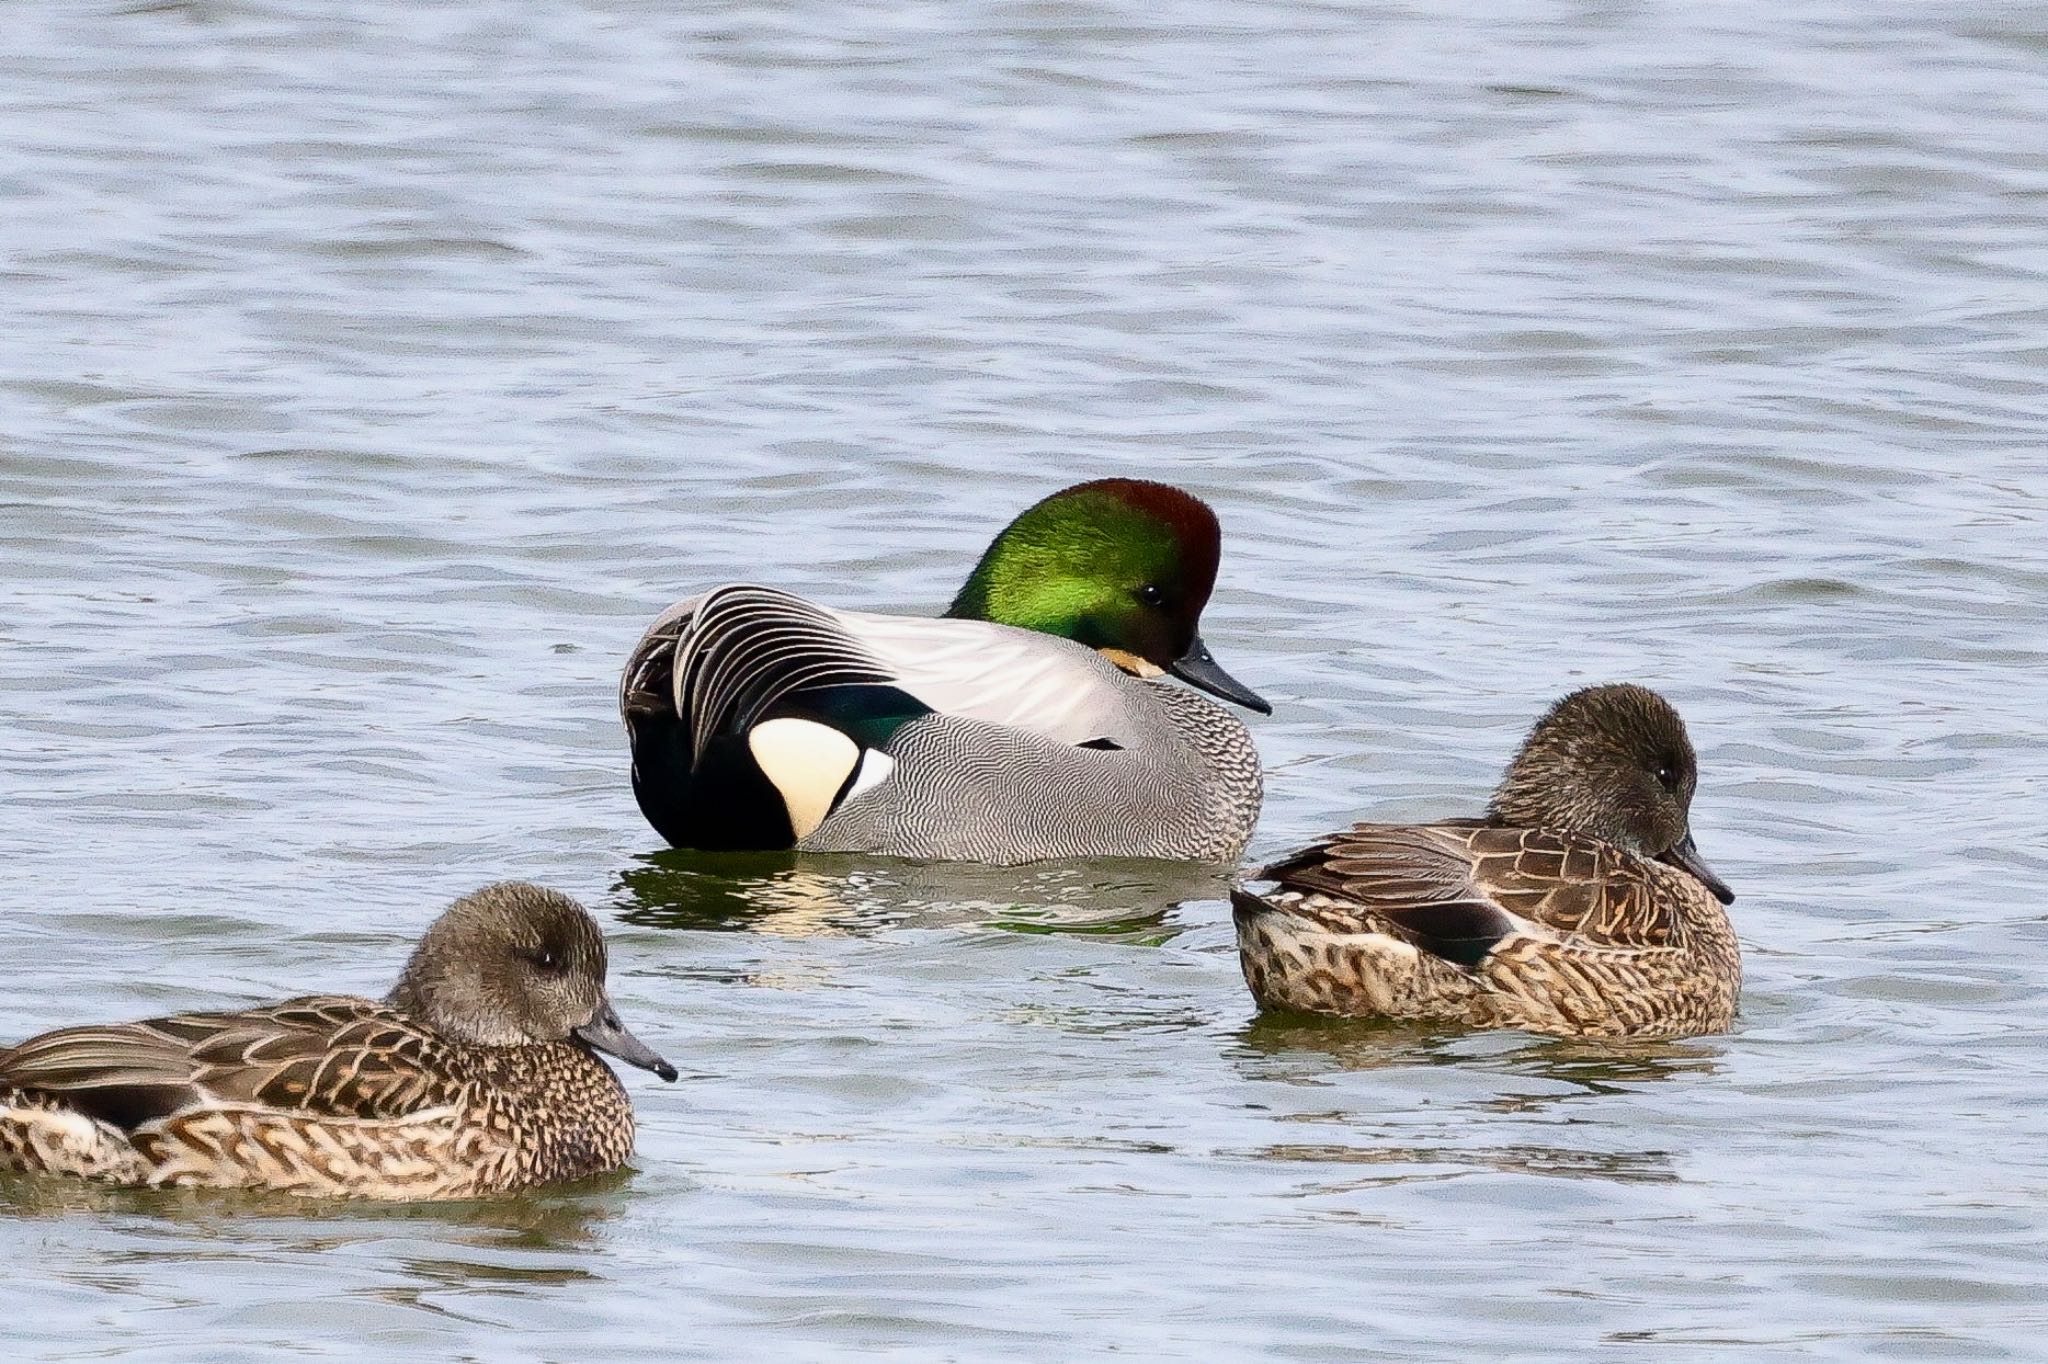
(1667, 777)
(546, 959)
(1151, 595)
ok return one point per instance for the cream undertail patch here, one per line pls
(808, 764)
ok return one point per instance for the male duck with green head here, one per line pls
(1031, 721)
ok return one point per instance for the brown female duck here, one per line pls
(1578, 906)
(476, 1075)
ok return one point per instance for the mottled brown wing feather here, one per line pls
(1573, 884)
(324, 1055)
(1457, 889)
(1316, 853)
(1412, 880)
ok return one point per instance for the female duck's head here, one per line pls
(516, 965)
(1615, 763)
(1121, 565)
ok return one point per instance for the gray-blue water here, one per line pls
(369, 375)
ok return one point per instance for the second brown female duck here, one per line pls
(1577, 907)
(476, 1075)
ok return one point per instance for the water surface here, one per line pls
(370, 378)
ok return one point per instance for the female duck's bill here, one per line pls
(475, 1076)
(1686, 857)
(1026, 723)
(605, 1033)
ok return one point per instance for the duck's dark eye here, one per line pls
(545, 959)
(1667, 776)
(1151, 595)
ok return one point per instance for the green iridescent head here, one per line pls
(1120, 565)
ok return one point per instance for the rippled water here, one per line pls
(370, 376)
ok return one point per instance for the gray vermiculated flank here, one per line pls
(1188, 786)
